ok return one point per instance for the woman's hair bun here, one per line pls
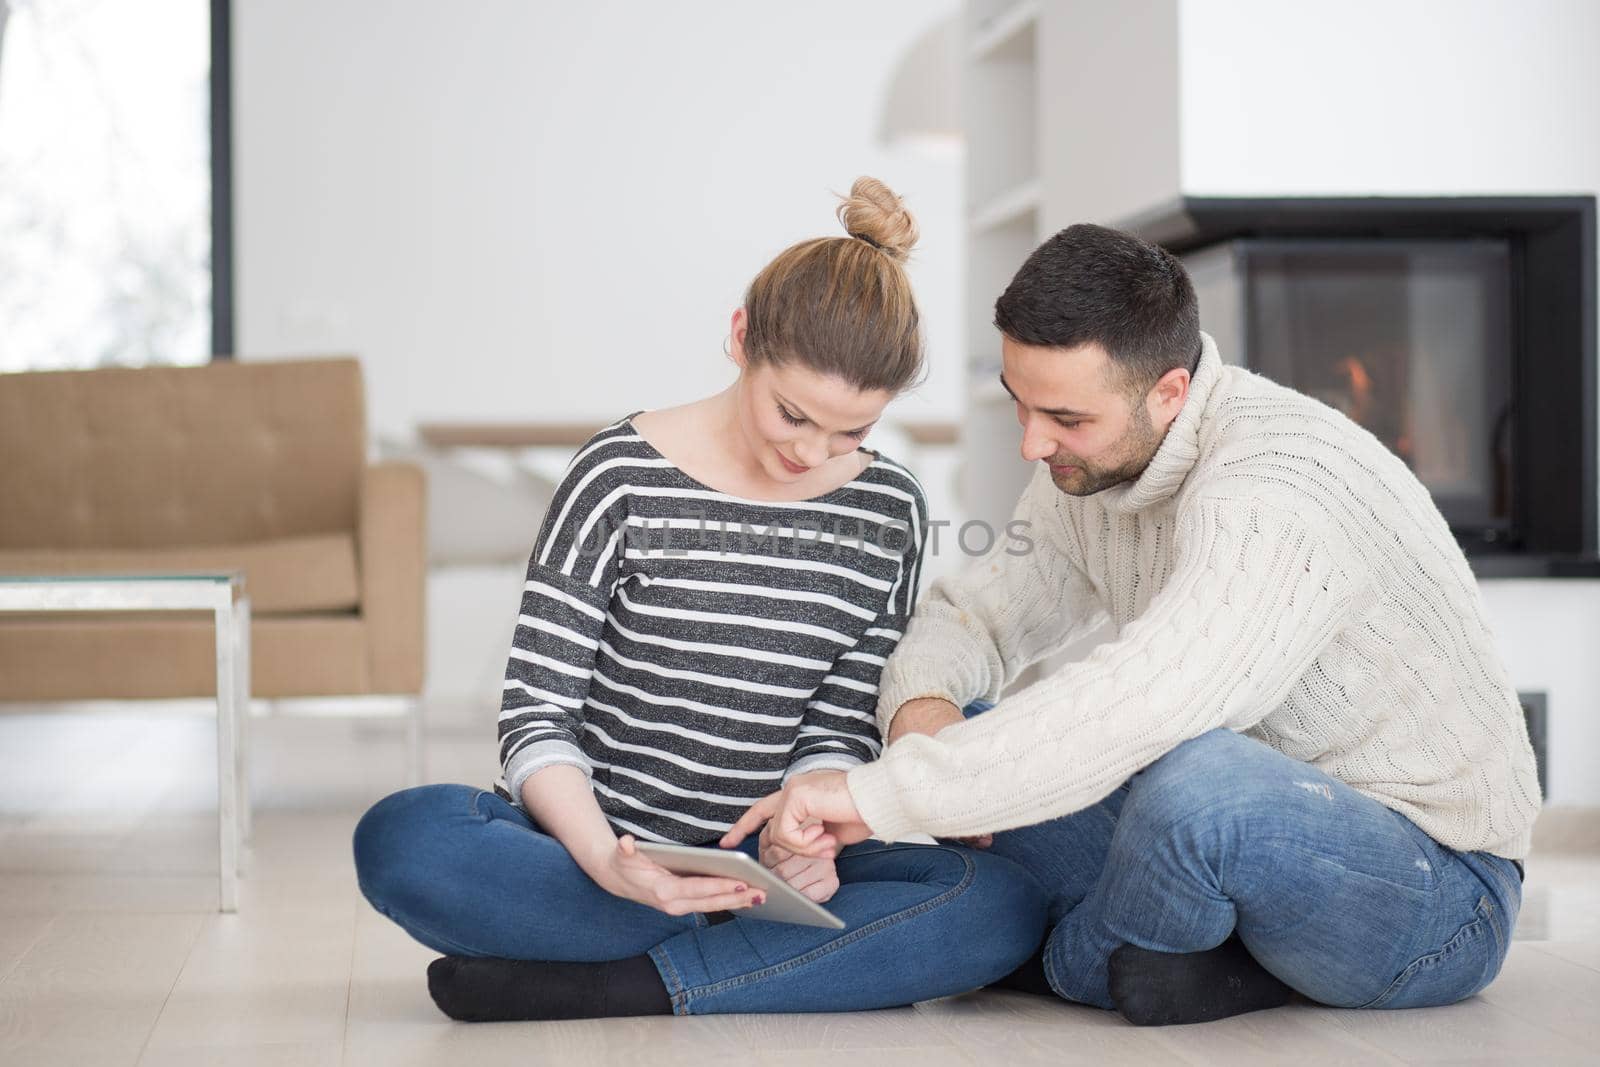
(872, 212)
(843, 306)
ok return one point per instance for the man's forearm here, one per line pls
(925, 715)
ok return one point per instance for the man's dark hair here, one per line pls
(1089, 283)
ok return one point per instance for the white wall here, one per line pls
(519, 211)
(1418, 97)
(1389, 97)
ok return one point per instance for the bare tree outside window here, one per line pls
(104, 183)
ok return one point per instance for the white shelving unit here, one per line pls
(1058, 131)
(1003, 30)
(1004, 202)
(1072, 115)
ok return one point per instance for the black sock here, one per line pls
(483, 989)
(1162, 988)
(1028, 978)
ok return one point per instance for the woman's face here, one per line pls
(795, 419)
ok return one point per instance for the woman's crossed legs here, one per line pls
(468, 874)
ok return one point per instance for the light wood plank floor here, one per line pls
(112, 952)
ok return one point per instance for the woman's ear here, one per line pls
(736, 332)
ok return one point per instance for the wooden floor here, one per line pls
(112, 952)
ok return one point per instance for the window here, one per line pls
(106, 223)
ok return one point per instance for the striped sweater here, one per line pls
(689, 649)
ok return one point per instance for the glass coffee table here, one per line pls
(221, 594)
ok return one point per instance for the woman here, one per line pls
(707, 609)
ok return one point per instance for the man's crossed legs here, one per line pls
(1340, 898)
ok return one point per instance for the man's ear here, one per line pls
(1168, 395)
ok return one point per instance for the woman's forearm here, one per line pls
(562, 802)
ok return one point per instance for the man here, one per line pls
(1300, 764)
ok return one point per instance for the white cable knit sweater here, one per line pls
(1275, 570)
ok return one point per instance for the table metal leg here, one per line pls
(227, 754)
(414, 755)
(246, 808)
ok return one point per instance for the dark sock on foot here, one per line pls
(1162, 988)
(1029, 978)
(483, 989)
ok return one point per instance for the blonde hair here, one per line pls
(843, 306)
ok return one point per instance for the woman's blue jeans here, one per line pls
(466, 873)
(1344, 900)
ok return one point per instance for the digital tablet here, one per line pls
(785, 903)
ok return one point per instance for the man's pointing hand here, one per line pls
(814, 815)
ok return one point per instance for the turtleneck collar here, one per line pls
(1178, 450)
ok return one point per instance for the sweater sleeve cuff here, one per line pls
(873, 792)
(821, 761)
(905, 682)
(536, 757)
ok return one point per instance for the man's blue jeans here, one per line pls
(1344, 900)
(466, 873)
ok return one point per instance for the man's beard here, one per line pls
(1127, 459)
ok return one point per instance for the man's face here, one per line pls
(1081, 418)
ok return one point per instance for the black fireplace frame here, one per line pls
(1552, 240)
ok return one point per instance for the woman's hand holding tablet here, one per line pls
(632, 872)
(783, 902)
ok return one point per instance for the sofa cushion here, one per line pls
(95, 657)
(289, 574)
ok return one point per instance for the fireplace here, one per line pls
(1411, 339)
(1460, 332)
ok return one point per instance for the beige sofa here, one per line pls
(259, 467)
